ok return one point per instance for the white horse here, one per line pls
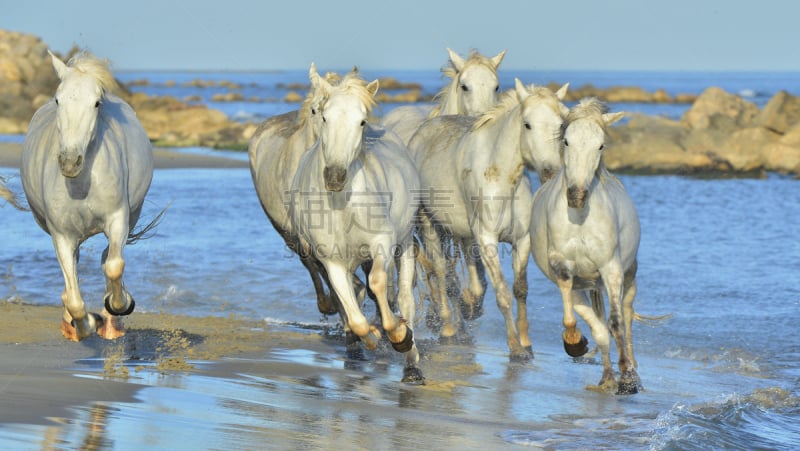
(585, 234)
(86, 167)
(472, 90)
(352, 203)
(475, 189)
(275, 151)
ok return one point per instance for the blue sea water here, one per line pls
(721, 256)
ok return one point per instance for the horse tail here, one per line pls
(145, 232)
(10, 196)
(599, 308)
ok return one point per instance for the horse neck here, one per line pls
(504, 134)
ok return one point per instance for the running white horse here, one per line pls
(472, 90)
(585, 234)
(86, 167)
(275, 151)
(352, 202)
(475, 189)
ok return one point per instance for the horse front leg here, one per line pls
(489, 247)
(441, 304)
(354, 320)
(407, 306)
(597, 324)
(471, 302)
(118, 302)
(562, 273)
(519, 261)
(613, 278)
(76, 323)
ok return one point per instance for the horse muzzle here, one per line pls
(70, 164)
(576, 197)
(334, 178)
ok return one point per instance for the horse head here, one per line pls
(542, 114)
(79, 101)
(344, 114)
(584, 140)
(474, 87)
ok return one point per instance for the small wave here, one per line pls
(764, 419)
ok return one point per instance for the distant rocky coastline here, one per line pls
(720, 134)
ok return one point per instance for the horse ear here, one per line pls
(60, 67)
(562, 91)
(497, 59)
(610, 118)
(372, 88)
(456, 59)
(522, 91)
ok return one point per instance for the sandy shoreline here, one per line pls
(11, 153)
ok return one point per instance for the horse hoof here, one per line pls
(406, 343)
(578, 349)
(627, 388)
(95, 322)
(128, 311)
(471, 312)
(413, 376)
(629, 383)
(433, 321)
(448, 341)
(521, 356)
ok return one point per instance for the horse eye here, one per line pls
(602, 146)
(97, 104)
(313, 111)
(363, 123)
(464, 88)
(56, 101)
(528, 125)
(566, 143)
(496, 88)
(323, 119)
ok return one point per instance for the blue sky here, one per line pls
(413, 34)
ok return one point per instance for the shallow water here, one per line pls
(721, 256)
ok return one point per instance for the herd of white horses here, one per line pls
(414, 193)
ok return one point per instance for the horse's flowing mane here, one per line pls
(450, 71)
(509, 100)
(98, 68)
(353, 84)
(588, 108)
(305, 108)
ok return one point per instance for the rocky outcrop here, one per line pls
(26, 78)
(719, 134)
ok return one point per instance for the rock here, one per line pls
(292, 97)
(715, 102)
(781, 113)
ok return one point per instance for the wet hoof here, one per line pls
(413, 376)
(353, 346)
(326, 306)
(578, 349)
(627, 388)
(448, 341)
(71, 333)
(629, 384)
(406, 343)
(433, 321)
(128, 311)
(471, 312)
(521, 357)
